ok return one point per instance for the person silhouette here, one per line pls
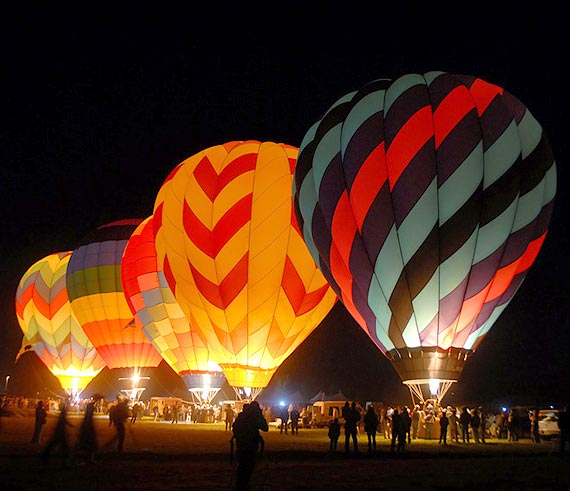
(334, 434)
(59, 439)
(248, 440)
(351, 420)
(371, 427)
(564, 425)
(443, 424)
(87, 444)
(40, 421)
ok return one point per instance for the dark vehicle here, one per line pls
(522, 418)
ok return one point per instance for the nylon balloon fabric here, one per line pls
(425, 200)
(157, 312)
(95, 291)
(231, 251)
(50, 327)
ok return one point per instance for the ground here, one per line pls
(175, 457)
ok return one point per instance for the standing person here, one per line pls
(294, 415)
(229, 415)
(534, 436)
(246, 434)
(334, 434)
(396, 429)
(443, 424)
(371, 427)
(415, 421)
(407, 423)
(475, 424)
(464, 423)
(59, 438)
(87, 446)
(482, 425)
(351, 421)
(564, 425)
(453, 424)
(41, 418)
(429, 421)
(284, 419)
(155, 412)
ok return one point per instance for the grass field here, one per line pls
(164, 456)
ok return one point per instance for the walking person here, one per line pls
(371, 422)
(40, 421)
(87, 445)
(59, 439)
(229, 415)
(248, 440)
(333, 434)
(118, 415)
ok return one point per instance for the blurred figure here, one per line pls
(453, 424)
(59, 439)
(416, 414)
(334, 434)
(229, 416)
(118, 415)
(294, 415)
(464, 423)
(534, 436)
(475, 424)
(564, 425)
(248, 440)
(351, 420)
(87, 445)
(407, 423)
(40, 421)
(443, 424)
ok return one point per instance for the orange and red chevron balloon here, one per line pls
(49, 326)
(425, 200)
(158, 314)
(228, 243)
(96, 294)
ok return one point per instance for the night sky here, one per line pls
(101, 100)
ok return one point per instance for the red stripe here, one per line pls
(450, 112)
(367, 184)
(210, 242)
(223, 294)
(530, 254)
(213, 183)
(293, 286)
(408, 141)
(157, 219)
(483, 93)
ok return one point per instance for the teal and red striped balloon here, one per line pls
(425, 200)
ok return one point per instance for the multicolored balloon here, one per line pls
(231, 251)
(158, 314)
(97, 299)
(50, 328)
(425, 200)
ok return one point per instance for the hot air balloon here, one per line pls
(158, 314)
(50, 328)
(425, 200)
(95, 291)
(231, 251)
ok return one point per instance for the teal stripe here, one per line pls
(457, 267)
(495, 233)
(389, 264)
(461, 185)
(502, 154)
(372, 104)
(419, 222)
(426, 303)
(399, 86)
(530, 133)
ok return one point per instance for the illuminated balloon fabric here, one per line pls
(425, 200)
(98, 301)
(228, 243)
(157, 312)
(49, 326)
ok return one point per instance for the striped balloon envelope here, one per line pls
(425, 200)
(50, 328)
(158, 314)
(230, 248)
(96, 294)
